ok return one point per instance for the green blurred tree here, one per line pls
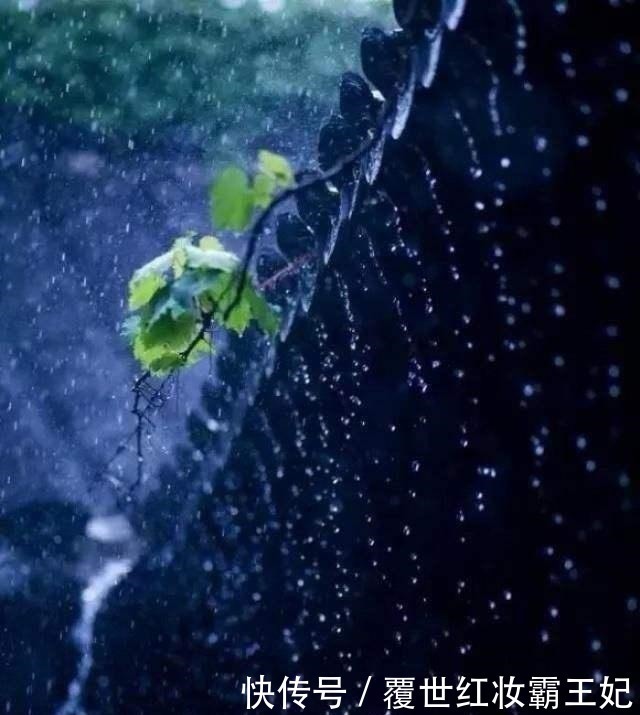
(117, 66)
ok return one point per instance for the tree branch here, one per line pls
(322, 178)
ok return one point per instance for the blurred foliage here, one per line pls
(125, 67)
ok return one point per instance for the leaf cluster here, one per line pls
(174, 299)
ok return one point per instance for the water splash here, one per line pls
(521, 37)
(494, 90)
(93, 596)
(476, 168)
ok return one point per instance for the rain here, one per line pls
(425, 469)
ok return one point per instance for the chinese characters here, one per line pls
(399, 693)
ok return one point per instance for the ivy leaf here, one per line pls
(231, 199)
(179, 256)
(277, 167)
(223, 295)
(161, 359)
(239, 318)
(148, 355)
(190, 286)
(166, 363)
(262, 312)
(142, 289)
(172, 360)
(212, 259)
(168, 301)
(250, 306)
(201, 349)
(264, 186)
(169, 331)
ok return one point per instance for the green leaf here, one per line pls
(216, 259)
(161, 360)
(142, 288)
(231, 199)
(169, 331)
(239, 318)
(148, 355)
(210, 243)
(277, 167)
(193, 283)
(264, 187)
(179, 256)
(201, 349)
(174, 360)
(262, 312)
(173, 299)
(250, 306)
(166, 363)
(223, 296)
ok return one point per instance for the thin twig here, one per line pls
(154, 400)
(287, 270)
